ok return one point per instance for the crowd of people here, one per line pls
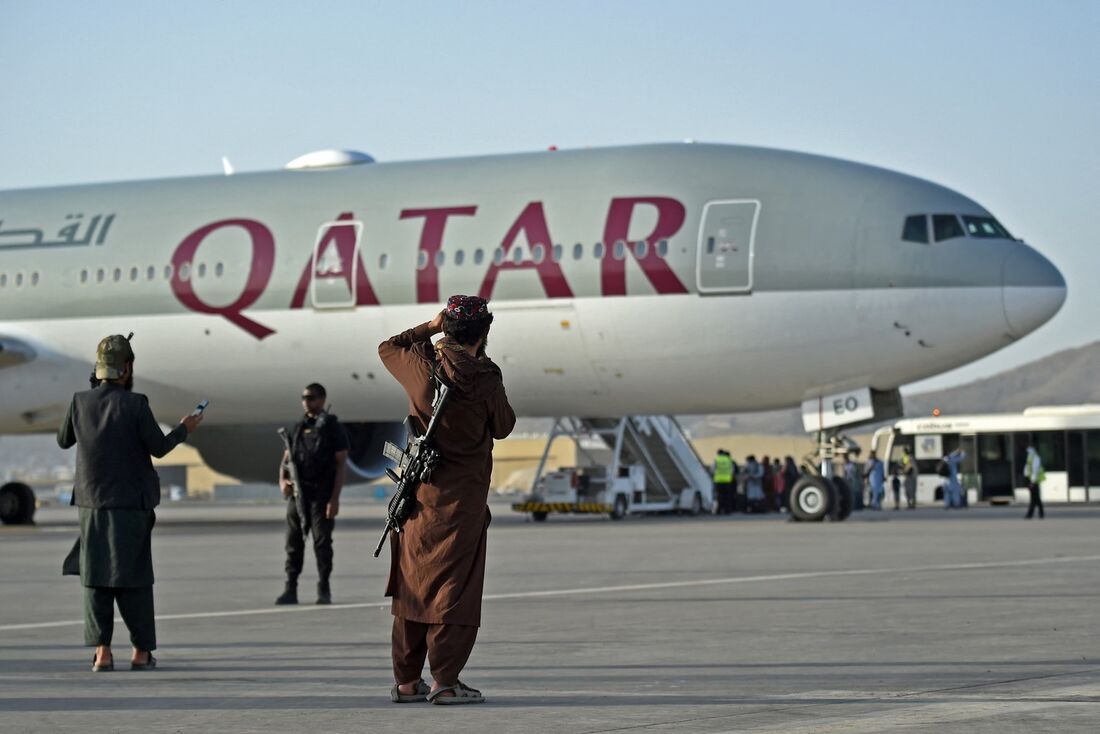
(755, 486)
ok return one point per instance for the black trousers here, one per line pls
(136, 607)
(1036, 500)
(724, 495)
(320, 530)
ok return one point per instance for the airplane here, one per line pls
(665, 278)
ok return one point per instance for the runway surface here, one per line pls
(920, 620)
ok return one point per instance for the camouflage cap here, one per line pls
(111, 357)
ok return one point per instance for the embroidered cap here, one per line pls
(463, 308)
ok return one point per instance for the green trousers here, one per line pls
(136, 607)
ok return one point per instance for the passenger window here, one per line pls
(620, 250)
(916, 229)
(118, 274)
(556, 253)
(383, 259)
(185, 272)
(421, 260)
(202, 270)
(578, 251)
(3, 279)
(641, 248)
(150, 273)
(460, 257)
(218, 270)
(537, 254)
(597, 251)
(985, 227)
(100, 274)
(517, 255)
(440, 258)
(662, 248)
(34, 278)
(498, 256)
(946, 227)
(18, 280)
(479, 256)
(83, 276)
(133, 274)
(167, 272)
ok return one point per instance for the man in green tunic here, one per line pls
(116, 490)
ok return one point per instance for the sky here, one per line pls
(997, 100)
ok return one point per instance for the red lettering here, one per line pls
(431, 240)
(342, 237)
(259, 274)
(670, 217)
(532, 222)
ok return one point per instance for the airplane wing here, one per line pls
(14, 352)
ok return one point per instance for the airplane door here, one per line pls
(335, 258)
(726, 246)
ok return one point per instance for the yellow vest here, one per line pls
(723, 469)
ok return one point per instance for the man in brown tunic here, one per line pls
(437, 567)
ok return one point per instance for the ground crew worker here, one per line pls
(952, 491)
(875, 473)
(437, 563)
(320, 453)
(116, 489)
(909, 470)
(723, 481)
(1033, 472)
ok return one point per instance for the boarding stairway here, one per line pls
(673, 470)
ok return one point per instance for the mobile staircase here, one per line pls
(625, 465)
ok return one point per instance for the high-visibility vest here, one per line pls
(723, 469)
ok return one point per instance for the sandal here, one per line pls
(98, 667)
(152, 663)
(421, 694)
(463, 694)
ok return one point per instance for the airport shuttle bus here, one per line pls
(1067, 439)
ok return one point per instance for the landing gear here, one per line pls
(16, 504)
(820, 494)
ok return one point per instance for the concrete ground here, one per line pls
(925, 620)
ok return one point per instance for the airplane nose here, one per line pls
(1032, 292)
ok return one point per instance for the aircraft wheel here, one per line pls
(844, 498)
(16, 504)
(618, 510)
(539, 516)
(810, 499)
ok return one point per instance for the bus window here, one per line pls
(1051, 446)
(1092, 458)
(1076, 455)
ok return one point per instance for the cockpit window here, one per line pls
(986, 227)
(916, 229)
(946, 226)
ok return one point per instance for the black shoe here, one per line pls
(289, 595)
(149, 664)
(324, 593)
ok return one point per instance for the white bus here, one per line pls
(1067, 439)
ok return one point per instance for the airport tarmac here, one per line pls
(925, 620)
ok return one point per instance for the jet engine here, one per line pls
(251, 453)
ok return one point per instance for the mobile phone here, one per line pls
(200, 408)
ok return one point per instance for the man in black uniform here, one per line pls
(320, 451)
(115, 491)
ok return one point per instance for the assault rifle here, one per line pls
(295, 485)
(415, 463)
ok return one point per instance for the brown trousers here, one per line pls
(447, 647)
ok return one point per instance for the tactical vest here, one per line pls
(313, 452)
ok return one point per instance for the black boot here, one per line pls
(290, 594)
(324, 593)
